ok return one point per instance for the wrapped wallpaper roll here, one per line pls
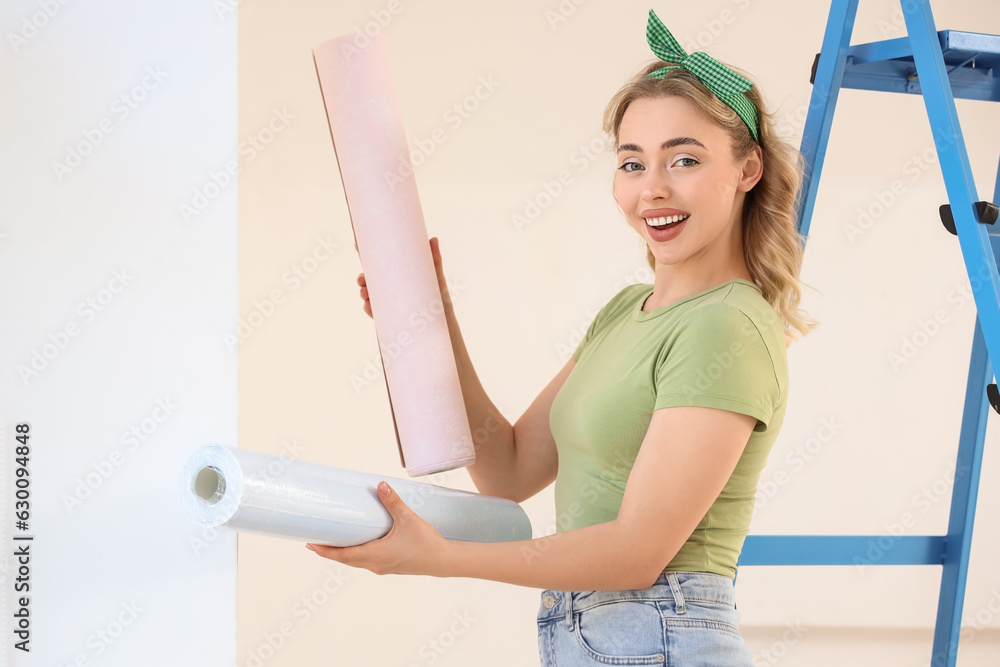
(277, 496)
(425, 394)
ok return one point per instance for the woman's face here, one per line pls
(674, 162)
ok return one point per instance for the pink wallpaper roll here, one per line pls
(425, 395)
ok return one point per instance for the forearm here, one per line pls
(598, 557)
(493, 436)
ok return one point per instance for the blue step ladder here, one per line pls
(940, 66)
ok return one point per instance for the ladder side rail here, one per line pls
(965, 491)
(973, 237)
(822, 104)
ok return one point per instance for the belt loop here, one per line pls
(675, 588)
(569, 610)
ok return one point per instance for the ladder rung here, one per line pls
(970, 58)
(843, 550)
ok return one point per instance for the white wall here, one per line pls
(115, 310)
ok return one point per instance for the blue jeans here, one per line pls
(685, 619)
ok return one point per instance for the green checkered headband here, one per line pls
(724, 83)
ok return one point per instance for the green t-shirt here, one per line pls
(721, 348)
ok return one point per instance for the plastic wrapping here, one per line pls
(272, 495)
(425, 394)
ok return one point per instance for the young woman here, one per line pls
(657, 429)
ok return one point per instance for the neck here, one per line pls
(714, 265)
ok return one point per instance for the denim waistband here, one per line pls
(678, 586)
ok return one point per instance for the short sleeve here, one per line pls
(610, 310)
(718, 359)
(587, 337)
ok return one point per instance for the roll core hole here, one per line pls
(210, 485)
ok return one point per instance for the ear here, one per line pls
(753, 169)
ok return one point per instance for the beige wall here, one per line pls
(525, 294)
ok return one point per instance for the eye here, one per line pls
(625, 167)
(686, 162)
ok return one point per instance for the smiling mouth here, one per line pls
(665, 222)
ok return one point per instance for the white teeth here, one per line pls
(659, 222)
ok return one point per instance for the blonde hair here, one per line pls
(772, 245)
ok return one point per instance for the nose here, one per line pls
(655, 185)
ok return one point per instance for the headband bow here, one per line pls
(724, 83)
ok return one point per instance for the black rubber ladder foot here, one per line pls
(986, 212)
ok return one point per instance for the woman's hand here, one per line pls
(412, 546)
(442, 283)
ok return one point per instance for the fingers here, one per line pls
(333, 553)
(364, 295)
(438, 268)
(436, 251)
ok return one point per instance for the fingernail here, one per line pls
(310, 547)
(383, 488)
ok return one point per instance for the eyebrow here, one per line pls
(669, 143)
